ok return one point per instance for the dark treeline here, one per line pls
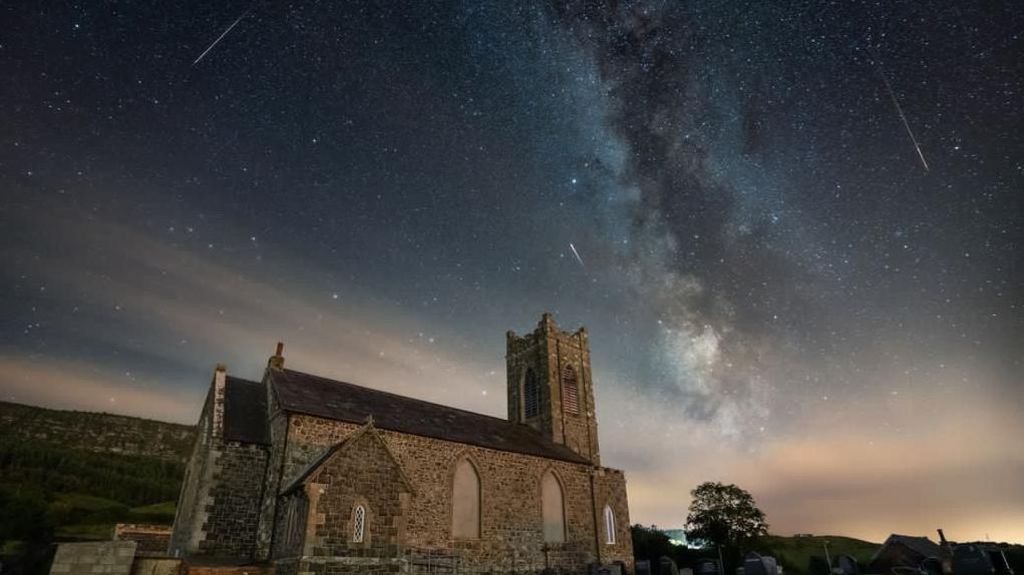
(128, 479)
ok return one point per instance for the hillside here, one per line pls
(70, 475)
(96, 432)
(794, 553)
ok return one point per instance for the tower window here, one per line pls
(570, 390)
(609, 525)
(358, 524)
(531, 394)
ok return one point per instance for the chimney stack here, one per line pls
(220, 376)
(276, 361)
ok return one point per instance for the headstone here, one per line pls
(643, 567)
(847, 565)
(757, 564)
(686, 571)
(666, 566)
(707, 567)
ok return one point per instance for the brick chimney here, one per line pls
(276, 361)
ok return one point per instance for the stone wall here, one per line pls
(360, 473)
(218, 509)
(548, 351)
(102, 558)
(511, 523)
(233, 512)
(157, 566)
(151, 540)
(278, 427)
(190, 511)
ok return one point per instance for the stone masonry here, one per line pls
(279, 482)
(100, 558)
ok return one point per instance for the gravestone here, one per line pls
(707, 567)
(643, 567)
(847, 565)
(757, 564)
(666, 566)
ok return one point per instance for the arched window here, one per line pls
(465, 501)
(609, 525)
(358, 524)
(570, 390)
(552, 508)
(531, 394)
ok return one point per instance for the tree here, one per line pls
(650, 543)
(724, 516)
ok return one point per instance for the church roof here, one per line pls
(321, 397)
(245, 411)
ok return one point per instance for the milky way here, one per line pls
(775, 285)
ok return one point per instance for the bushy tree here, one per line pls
(650, 543)
(724, 516)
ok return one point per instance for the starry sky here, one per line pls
(792, 229)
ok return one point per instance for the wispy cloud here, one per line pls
(91, 387)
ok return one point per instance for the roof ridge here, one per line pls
(398, 395)
(241, 379)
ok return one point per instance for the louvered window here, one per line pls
(531, 394)
(570, 390)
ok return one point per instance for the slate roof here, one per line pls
(300, 392)
(245, 411)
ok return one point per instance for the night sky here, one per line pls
(793, 230)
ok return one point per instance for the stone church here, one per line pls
(306, 475)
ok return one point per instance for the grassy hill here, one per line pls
(795, 552)
(97, 432)
(70, 475)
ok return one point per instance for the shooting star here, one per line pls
(899, 110)
(576, 254)
(221, 37)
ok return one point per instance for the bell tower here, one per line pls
(550, 386)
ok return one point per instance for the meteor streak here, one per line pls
(576, 254)
(899, 110)
(221, 37)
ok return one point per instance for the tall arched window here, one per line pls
(531, 394)
(609, 525)
(358, 524)
(552, 508)
(465, 501)
(570, 390)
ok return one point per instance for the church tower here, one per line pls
(550, 386)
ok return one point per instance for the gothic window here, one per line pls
(570, 390)
(531, 394)
(358, 524)
(553, 510)
(609, 525)
(465, 501)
